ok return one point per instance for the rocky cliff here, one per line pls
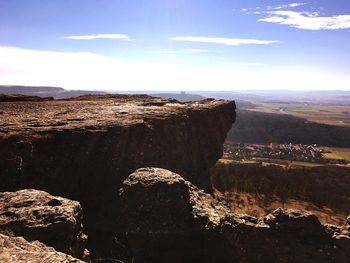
(84, 148)
(88, 149)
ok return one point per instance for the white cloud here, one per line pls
(296, 4)
(257, 10)
(309, 21)
(84, 70)
(225, 41)
(292, 5)
(100, 36)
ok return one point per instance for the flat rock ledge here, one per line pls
(37, 215)
(19, 250)
(167, 219)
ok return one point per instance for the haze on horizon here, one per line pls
(176, 45)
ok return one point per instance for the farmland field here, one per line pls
(338, 153)
(338, 115)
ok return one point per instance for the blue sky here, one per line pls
(175, 44)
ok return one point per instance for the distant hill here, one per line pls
(338, 97)
(182, 96)
(259, 127)
(45, 91)
(21, 97)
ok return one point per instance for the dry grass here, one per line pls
(258, 206)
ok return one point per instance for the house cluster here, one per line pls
(293, 152)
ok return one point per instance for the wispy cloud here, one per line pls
(225, 41)
(307, 20)
(292, 5)
(260, 10)
(100, 36)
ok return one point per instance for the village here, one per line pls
(292, 152)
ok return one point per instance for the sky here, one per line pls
(174, 45)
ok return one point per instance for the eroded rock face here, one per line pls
(167, 219)
(19, 250)
(84, 148)
(37, 215)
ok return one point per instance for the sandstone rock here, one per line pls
(37, 215)
(110, 135)
(84, 148)
(19, 250)
(167, 219)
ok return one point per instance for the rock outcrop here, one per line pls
(36, 215)
(167, 219)
(84, 148)
(341, 235)
(19, 250)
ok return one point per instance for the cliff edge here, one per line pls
(84, 148)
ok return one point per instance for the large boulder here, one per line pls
(37, 215)
(19, 250)
(167, 219)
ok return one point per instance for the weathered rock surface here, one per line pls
(84, 148)
(341, 235)
(19, 250)
(105, 138)
(167, 219)
(36, 215)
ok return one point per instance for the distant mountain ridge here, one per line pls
(45, 91)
